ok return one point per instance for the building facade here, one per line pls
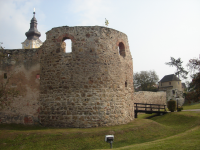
(173, 87)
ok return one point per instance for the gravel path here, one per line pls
(192, 110)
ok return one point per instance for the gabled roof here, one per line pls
(170, 77)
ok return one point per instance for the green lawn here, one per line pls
(195, 106)
(188, 140)
(178, 130)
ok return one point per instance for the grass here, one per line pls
(188, 140)
(194, 106)
(178, 130)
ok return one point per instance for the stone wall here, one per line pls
(91, 86)
(180, 101)
(150, 97)
(18, 118)
(175, 94)
(19, 72)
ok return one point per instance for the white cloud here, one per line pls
(91, 12)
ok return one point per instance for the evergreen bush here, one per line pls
(171, 105)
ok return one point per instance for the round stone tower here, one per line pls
(91, 86)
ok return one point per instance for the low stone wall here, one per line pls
(181, 101)
(18, 119)
(150, 97)
(139, 97)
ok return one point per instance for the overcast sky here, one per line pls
(156, 29)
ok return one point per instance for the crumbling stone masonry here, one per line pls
(89, 87)
(20, 70)
(150, 97)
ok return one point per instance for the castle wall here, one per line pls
(173, 91)
(150, 97)
(175, 94)
(19, 75)
(91, 86)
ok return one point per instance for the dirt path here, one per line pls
(192, 110)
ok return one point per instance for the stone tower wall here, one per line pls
(91, 86)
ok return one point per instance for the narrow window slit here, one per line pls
(126, 83)
(5, 75)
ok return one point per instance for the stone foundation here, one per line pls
(18, 119)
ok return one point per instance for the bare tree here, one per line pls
(180, 71)
(194, 65)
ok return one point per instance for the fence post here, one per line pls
(177, 104)
(135, 114)
(146, 107)
(136, 111)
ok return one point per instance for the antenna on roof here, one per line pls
(34, 11)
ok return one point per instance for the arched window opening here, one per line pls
(66, 46)
(121, 49)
